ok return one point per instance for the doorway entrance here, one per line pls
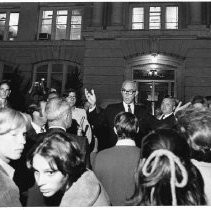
(156, 78)
(152, 92)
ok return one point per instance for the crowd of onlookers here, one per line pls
(55, 153)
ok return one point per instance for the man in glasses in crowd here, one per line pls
(106, 119)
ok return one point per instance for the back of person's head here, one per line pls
(57, 109)
(62, 154)
(196, 126)
(199, 102)
(165, 175)
(11, 119)
(35, 108)
(52, 94)
(126, 125)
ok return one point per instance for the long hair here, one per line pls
(195, 125)
(62, 154)
(165, 175)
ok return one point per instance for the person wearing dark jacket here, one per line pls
(105, 119)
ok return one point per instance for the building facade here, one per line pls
(165, 47)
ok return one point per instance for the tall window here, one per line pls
(171, 21)
(154, 17)
(9, 25)
(163, 16)
(61, 23)
(138, 18)
(60, 75)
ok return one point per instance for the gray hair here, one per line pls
(56, 108)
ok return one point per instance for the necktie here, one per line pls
(42, 130)
(129, 109)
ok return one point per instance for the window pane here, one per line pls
(61, 20)
(138, 18)
(60, 32)
(57, 68)
(75, 30)
(76, 19)
(76, 12)
(43, 68)
(56, 81)
(171, 18)
(2, 18)
(12, 34)
(154, 18)
(46, 29)
(46, 22)
(2, 25)
(62, 12)
(61, 24)
(13, 26)
(14, 17)
(47, 14)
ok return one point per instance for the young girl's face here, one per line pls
(49, 180)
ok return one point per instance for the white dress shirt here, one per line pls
(37, 128)
(132, 106)
(126, 142)
(80, 114)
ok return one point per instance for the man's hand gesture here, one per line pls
(91, 97)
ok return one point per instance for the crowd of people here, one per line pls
(57, 154)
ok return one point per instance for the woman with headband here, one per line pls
(165, 175)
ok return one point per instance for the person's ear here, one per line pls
(137, 130)
(136, 93)
(115, 131)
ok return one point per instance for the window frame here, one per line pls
(53, 25)
(49, 72)
(146, 7)
(7, 21)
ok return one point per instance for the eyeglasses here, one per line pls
(130, 92)
(71, 97)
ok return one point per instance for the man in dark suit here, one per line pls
(59, 119)
(167, 119)
(129, 91)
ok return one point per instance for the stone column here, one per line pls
(116, 16)
(195, 15)
(97, 14)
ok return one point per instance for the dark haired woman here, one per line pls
(165, 175)
(61, 175)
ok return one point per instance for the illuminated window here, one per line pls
(9, 25)
(171, 18)
(138, 18)
(61, 23)
(155, 18)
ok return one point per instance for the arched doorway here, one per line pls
(157, 75)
